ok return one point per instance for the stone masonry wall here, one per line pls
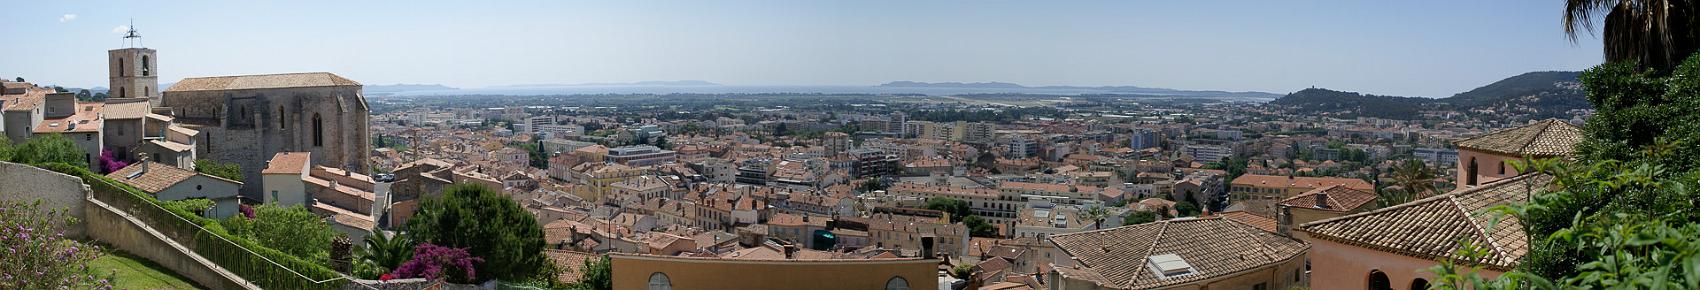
(24, 183)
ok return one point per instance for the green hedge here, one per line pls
(181, 225)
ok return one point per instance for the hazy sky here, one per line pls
(1416, 48)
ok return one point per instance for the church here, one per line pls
(247, 119)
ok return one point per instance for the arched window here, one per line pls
(120, 92)
(1378, 281)
(1419, 283)
(897, 283)
(318, 130)
(1502, 167)
(145, 70)
(659, 281)
(1470, 176)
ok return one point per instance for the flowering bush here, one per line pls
(247, 211)
(431, 261)
(110, 162)
(38, 256)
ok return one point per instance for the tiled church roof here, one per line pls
(270, 81)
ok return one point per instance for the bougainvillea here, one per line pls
(37, 254)
(433, 262)
(110, 162)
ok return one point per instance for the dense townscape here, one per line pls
(312, 180)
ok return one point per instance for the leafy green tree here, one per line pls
(978, 227)
(224, 170)
(1139, 217)
(293, 230)
(957, 208)
(6, 149)
(50, 148)
(598, 275)
(490, 225)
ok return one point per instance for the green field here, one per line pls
(132, 272)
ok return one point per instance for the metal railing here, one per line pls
(242, 260)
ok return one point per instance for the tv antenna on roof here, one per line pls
(132, 38)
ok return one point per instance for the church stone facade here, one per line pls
(247, 119)
(133, 73)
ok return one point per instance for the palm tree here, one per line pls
(1657, 33)
(1096, 214)
(1415, 181)
(380, 254)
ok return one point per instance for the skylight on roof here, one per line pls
(1168, 265)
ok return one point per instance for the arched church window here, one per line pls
(318, 130)
(145, 69)
(120, 92)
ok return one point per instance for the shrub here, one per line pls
(229, 171)
(50, 148)
(37, 255)
(489, 225)
(432, 262)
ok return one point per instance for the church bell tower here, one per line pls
(133, 70)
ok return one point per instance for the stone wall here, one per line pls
(24, 183)
(116, 228)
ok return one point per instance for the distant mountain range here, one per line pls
(1542, 94)
(1104, 89)
(396, 88)
(680, 83)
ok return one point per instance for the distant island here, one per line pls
(988, 85)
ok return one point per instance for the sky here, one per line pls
(1409, 48)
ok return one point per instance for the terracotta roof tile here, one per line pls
(269, 81)
(1430, 228)
(1551, 137)
(287, 163)
(1116, 257)
(1339, 198)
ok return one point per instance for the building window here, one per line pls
(1419, 283)
(1260, 286)
(282, 120)
(1502, 168)
(120, 92)
(318, 130)
(145, 70)
(1379, 281)
(121, 69)
(659, 281)
(897, 283)
(274, 196)
(1470, 173)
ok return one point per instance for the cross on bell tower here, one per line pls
(132, 38)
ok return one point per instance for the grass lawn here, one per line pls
(132, 272)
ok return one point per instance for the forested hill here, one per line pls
(1350, 104)
(1540, 94)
